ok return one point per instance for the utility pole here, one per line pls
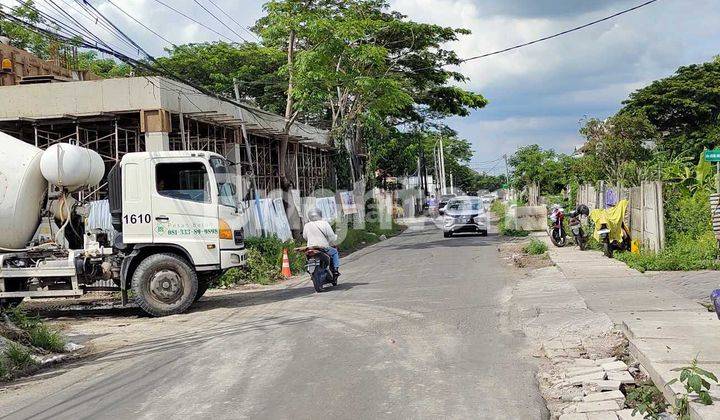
(442, 167)
(507, 173)
(248, 152)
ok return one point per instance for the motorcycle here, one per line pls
(610, 228)
(558, 236)
(319, 266)
(576, 225)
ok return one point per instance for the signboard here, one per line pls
(712, 155)
(347, 201)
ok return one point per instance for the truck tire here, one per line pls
(164, 284)
(204, 282)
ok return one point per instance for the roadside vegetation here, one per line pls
(690, 241)
(500, 210)
(23, 338)
(535, 247)
(659, 134)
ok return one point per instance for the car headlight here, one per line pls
(448, 220)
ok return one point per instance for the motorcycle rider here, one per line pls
(319, 234)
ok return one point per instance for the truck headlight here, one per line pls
(224, 230)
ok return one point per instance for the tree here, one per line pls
(22, 37)
(685, 108)
(618, 142)
(102, 67)
(531, 164)
(216, 65)
(355, 66)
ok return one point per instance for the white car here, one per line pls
(464, 214)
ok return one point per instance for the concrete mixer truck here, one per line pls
(173, 224)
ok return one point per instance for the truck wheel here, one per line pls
(164, 284)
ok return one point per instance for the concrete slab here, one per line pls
(590, 407)
(574, 416)
(606, 385)
(604, 396)
(615, 365)
(605, 415)
(624, 377)
(678, 351)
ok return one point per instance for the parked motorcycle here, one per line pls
(558, 236)
(576, 225)
(319, 266)
(610, 228)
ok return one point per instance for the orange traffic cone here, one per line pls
(286, 265)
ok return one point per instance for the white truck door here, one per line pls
(185, 209)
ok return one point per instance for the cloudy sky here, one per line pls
(537, 94)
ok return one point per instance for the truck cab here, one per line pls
(180, 225)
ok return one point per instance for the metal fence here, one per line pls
(646, 212)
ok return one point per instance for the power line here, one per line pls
(142, 24)
(233, 19)
(545, 38)
(220, 20)
(193, 20)
(565, 32)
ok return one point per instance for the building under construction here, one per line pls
(44, 104)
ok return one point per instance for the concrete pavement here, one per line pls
(417, 328)
(665, 330)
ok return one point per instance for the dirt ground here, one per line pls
(512, 251)
(100, 323)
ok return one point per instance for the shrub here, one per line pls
(684, 254)
(45, 338)
(18, 356)
(3, 370)
(535, 247)
(645, 399)
(687, 215)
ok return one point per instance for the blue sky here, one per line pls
(538, 94)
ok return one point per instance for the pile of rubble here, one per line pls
(588, 389)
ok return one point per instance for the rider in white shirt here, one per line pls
(319, 234)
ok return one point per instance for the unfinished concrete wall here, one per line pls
(646, 213)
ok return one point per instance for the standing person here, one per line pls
(432, 205)
(319, 234)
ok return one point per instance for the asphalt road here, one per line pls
(416, 329)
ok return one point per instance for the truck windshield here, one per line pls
(225, 182)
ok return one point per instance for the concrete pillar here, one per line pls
(156, 124)
(157, 141)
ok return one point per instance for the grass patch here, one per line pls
(38, 334)
(359, 238)
(535, 247)
(686, 253)
(18, 357)
(4, 372)
(45, 338)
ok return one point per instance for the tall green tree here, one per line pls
(23, 38)
(354, 66)
(685, 108)
(533, 165)
(217, 65)
(619, 142)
